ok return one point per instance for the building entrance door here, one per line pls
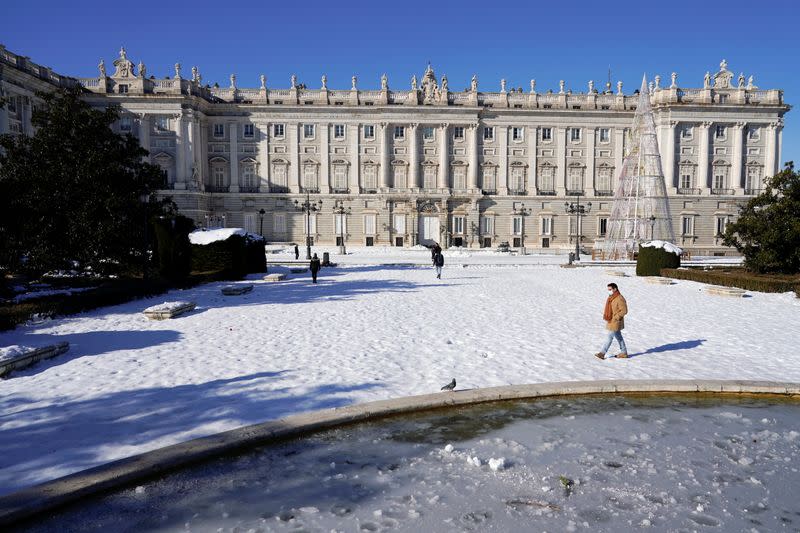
(428, 229)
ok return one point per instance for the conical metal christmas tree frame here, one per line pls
(640, 211)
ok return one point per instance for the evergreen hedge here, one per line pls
(740, 278)
(651, 260)
(236, 256)
(174, 250)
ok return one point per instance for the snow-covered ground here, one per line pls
(365, 332)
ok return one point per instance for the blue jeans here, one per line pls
(438, 271)
(611, 336)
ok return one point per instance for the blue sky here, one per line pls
(575, 41)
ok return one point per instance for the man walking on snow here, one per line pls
(438, 262)
(614, 313)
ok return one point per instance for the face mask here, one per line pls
(610, 292)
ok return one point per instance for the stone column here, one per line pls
(501, 179)
(180, 152)
(668, 155)
(589, 184)
(233, 131)
(354, 130)
(385, 149)
(771, 157)
(203, 151)
(702, 160)
(444, 171)
(779, 141)
(293, 140)
(324, 158)
(735, 182)
(472, 169)
(263, 157)
(533, 139)
(191, 154)
(27, 116)
(413, 177)
(561, 161)
(3, 114)
(144, 134)
(619, 155)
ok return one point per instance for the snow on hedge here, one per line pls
(203, 236)
(14, 351)
(667, 246)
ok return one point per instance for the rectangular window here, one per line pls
(162, 124)
(370, 177)
(719, 178)
(722, 98)
(249, 131)
(400, 176)
(125, 124)
(753, 133)
(279, 176)
(722, 223)
(516, 225)
(340, 223)
(427, 133)
(279, 222)
(340, 177)
(219, 130)
(369, 131)
(686, 181)
(369, 224)
(219, 176)
(602, 226)
(719, 133)
(429, 177)
(458, 132)
(487, 225)
(400, 223)
(547, 134)
(604, 179)
(687, 132)
(399, 132)
(459, 177)
(488, 133)
(687, 225)
(310, 177)
(517, 133)
(308, 131)
(123, 89)
(338, 131)
(605, 135)
(575, 134)
(458, 225)
(547, 179)
(547, 225)
(489, 178)
(277, 130)
(517, 179)
(249, 175)
(575, 179)
(753, 179)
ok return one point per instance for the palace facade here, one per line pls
(405, 166)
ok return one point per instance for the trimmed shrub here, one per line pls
(254, 252)
(174, 250)
(651, 260)
(227, 256)
(743, 279)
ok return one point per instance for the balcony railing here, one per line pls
(546, 192)
(248, 189)
(340, 191)
(682, 190)
(579, 192)
(309, 190)
(489, 191)
(278, 188)
(722, 192)
(217, 188)
(603, 192)
(517, 192)
(753, 192)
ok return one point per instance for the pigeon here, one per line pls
(450, 386)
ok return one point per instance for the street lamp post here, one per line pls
(652, 225)
(261, 214)
(522, 211)
(579, 211)
(308, 207)
(342, 212)
(475, 233)
(145, 199)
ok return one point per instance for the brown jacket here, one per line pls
(619, 308)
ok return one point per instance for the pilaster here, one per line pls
(668, 154)
(180, 152)
(233, 131)
(770, 164)
(533, 139)
(472, 169)
(444, 169)
(263, 157)
(588, 184)
(144, 134)
(325, 158)
(413, 177)
(619, 154)
(354, 131)
(293, 140)
(561, 161)
(702, 160)
(737, 161)
(501, 179)
(385, 151)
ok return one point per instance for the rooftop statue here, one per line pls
(473, 85)
(414, 82)
(102, 67)
(384, 82)
(124, 66)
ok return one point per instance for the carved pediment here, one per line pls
(123, 65)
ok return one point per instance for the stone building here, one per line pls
(425, 163)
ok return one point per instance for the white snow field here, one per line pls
(365, 332)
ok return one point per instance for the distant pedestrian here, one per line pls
(315, 266)
(438, 262)
(435, 250)
(615, 310)
(296, 253)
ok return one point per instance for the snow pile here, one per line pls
(667, 246)
(203, 236)
(12, 352)
(166, 306)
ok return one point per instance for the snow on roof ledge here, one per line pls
(667, 246)
(203, 236)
